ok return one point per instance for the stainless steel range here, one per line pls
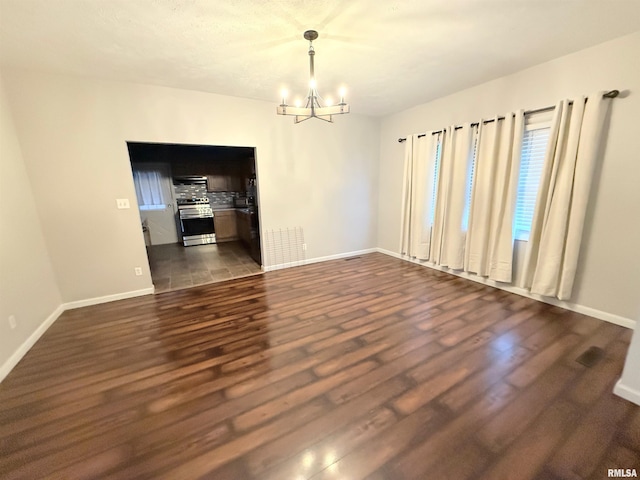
(196, 221)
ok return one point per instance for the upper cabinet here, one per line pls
(217, 183)
(227, 177)
(223, 174)
(224, 183)
(235, 183)
(224, 177)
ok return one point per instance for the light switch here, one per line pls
(122, 202)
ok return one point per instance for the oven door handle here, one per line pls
(187, 216)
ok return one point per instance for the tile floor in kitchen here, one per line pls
(174, 266)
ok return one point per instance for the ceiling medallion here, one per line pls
(315, 107)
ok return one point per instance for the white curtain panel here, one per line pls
(148, 186)
(489, 247)
(407, 185)
(419, 172)
(448, 240)
(558, 220)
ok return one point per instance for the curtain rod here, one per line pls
(609, 94)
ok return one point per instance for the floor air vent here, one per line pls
(591, 356)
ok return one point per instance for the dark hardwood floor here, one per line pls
(360, 368)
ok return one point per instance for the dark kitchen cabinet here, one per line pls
(224, 183)
(234, 183)
(217, 183)
(222, 175)
(248, 232)
(226, 225)
(244, 227)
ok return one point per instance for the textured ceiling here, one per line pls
(390, 55)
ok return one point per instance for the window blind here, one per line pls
(436, 173)
(470, 177)
(534, 146)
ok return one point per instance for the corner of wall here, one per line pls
(22, 350)
(28, 284)
(626, 392)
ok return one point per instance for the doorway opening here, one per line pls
(198, 208)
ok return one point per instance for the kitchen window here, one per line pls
(149, 189)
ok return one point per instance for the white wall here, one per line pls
(28, 288)
(316, 175)
(608, 277)
(629, 385)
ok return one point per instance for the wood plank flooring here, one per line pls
(360, 368)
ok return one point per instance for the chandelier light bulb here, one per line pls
(328, 101)
(298, 102)
(343, 92)
(312, 83)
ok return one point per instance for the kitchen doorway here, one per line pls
(178, 186)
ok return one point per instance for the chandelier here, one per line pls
(315, 106)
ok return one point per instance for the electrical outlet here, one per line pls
(12, 321)
(304, 247)
(122, 203)
(138, 271)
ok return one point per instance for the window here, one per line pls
(471, 170)
(534, 146)
(148, 183)
(469, 180)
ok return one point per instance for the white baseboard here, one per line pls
(22, 350)
(108, 298)
(592, 312)
(627, 393)
(319, 259)
(33, 338)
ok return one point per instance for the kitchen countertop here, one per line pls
(251, 209)
(247, 210)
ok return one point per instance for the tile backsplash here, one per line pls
(218, 199)
(190, 191)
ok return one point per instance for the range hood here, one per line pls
(190, 180)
